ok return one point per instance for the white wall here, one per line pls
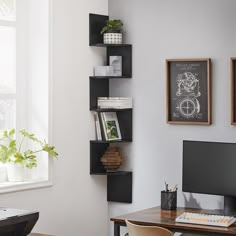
(172, 29)
(76, 204)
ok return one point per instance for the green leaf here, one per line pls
(50, 150)
(12, 144)
(112, 25)
(10, 151)
(12, 132)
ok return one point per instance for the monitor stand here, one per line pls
(229, 206)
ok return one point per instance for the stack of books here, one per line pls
(115, 102)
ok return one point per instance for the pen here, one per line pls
(175, 188)
(166, 187)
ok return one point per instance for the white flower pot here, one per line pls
(15, 172)
(28, 173)
(112, 38)
(3, 173)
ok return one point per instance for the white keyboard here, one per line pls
(205, 219)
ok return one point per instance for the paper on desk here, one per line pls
(9, 212)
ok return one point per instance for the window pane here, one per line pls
(7, 60)
(8, 10)
(7, 113)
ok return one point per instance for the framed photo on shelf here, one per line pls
(188, 91)
(111, 126)
(233, 90)
(116, 63)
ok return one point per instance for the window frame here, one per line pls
(36, 184)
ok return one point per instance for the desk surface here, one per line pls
(165, 218)
(35, 234)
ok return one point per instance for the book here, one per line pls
(110, 126)
(114, 98)
(98, 127)
(114, 102)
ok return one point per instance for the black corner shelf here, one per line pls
(109, 45)
(110, 109)
(96, 23)
(119, 183)
(97, 149)
(112, 141)
(126, 52)
(97, 88)
(119, 187)
(110, 77)
(125, 117)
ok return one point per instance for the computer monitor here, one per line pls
(210, 168)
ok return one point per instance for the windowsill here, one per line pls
(8, 187)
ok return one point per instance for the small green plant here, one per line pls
(13, 153)
(112, 26)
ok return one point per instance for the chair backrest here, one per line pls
(139, 230)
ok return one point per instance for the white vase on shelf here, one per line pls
(112, 38)
(15, 172)
(3, 173)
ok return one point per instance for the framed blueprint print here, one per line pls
(233, 90)
(188, 91)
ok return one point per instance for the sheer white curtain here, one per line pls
(24, 71)
(7, 64)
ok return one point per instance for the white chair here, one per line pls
(139, 230)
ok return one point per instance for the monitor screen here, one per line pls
(209, 167)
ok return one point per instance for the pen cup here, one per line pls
(168, 200)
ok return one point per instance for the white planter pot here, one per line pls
(112, 38)
(15, 172)
(3, 173)
(28, 173)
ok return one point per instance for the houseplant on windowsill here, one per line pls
(112, 32)
(19, 158)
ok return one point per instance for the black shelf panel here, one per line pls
(126, 53)
(110, 109)
(124, 117)
(110, 77)
(96, 152)
(113, 141)
(94, 173)
(98, 88)
(96, 23)
(119, 172)
(97, 149)
(109, 45)
(119, 186)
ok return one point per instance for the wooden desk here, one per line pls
(164, 218)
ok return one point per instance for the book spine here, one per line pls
(115, 104)
(102, 125)
(115, 98)
(98, 128)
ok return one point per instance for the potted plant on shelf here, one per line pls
(18, 157)
(112, 32)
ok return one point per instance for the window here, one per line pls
(7, 63)
(24, 76)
